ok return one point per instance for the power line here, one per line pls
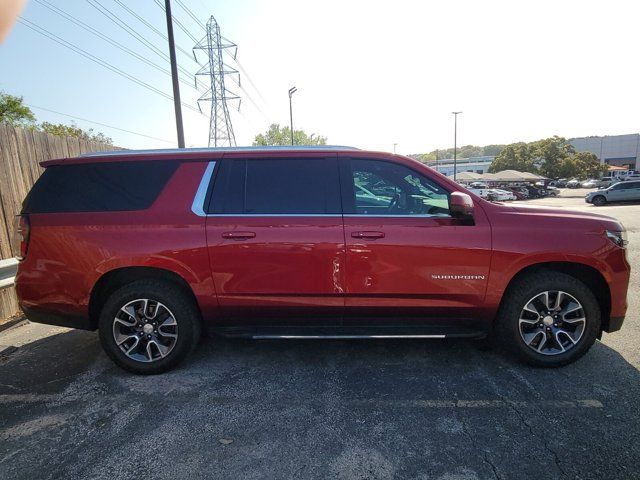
(246, 75)
(46, 33)
(123, 25)
(104, 37)
(127, 28)
(191, 14)
(154, 29)
(177, 22)
(100, 123)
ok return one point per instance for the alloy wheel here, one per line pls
(552, 322)
(145, 330)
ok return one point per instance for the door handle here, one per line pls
(369, 235)
(238, 235)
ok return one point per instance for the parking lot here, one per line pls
(330, 409)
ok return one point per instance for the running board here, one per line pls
(337, 337)
(263, 332)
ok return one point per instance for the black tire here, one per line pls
(183, 308)
(526, 288)
(599, 201)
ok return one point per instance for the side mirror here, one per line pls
(461, 206)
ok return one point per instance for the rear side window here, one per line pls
(99, 187)
(277, 187)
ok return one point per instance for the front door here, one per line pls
(407, 258)
(617, 193)
(276, 240)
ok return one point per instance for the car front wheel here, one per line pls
(599, 200)
(149, 326)
(549, 319)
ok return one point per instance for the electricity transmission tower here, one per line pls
(214, 44)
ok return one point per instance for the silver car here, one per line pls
(619, 192)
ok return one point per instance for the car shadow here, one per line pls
(412, 407)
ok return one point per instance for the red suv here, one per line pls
(151, 247)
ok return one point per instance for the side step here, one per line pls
(347, 333)
(336, 337)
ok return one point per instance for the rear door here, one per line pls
(633, 191)
(407, 258)
(276, 239)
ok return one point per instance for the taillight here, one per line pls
(23, 230)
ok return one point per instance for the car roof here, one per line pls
(194, 154)
(219, 150)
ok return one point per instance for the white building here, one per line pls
(473, 164)
(618, 150)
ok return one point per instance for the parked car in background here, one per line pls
(591, 183)
(573, 183)
(502, 195)
(520, 193)
(607, 182)
(559, 183)
(552, 191)
(534, 192)
(151, 247)
(482, 192)
(620, 192)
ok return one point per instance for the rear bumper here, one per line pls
(48, 318)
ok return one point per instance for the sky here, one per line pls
(369, 74)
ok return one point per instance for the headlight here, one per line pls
(619, 238)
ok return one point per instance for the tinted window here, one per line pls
(386, 188)
(624, 186)
(277, 187)
(99, 187)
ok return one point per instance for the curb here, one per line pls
(12, 323)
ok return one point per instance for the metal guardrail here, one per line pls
(8, 270)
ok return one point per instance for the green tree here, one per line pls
(73, 130)
(553, 156)
(517, 156)
(281, 136)
(14, 112)
(465, 151)
(587, 165)
(492, 150)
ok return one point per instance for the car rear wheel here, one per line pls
(549, 319)
(149, 326)
(599, 200)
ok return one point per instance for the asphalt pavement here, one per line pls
(241, 409)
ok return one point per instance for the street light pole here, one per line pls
(394, 147)
(455, 144)
(292, 90)
(174, 75)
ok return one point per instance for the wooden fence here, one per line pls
(21, 151)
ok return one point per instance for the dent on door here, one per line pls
(424, 263)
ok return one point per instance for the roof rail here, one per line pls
(217, 149)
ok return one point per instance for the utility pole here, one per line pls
(455, 144)
(174, 75)
(394, 147)
(292, 90)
